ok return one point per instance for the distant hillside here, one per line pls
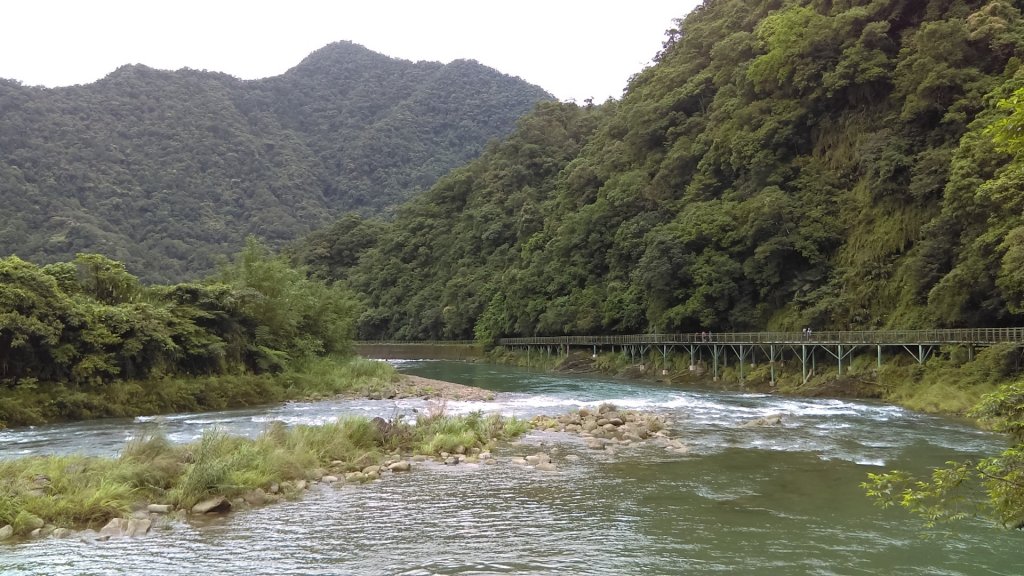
(169, 171)
(784, 164)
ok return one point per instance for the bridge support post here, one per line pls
(803, 361)
(714, 355)
(839, 348)
(771, 361)
(879, 356)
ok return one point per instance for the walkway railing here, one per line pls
(962, 336)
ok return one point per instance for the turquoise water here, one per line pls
(779, 500)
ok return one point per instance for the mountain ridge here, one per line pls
(168, 171)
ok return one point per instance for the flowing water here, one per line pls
(783, 500)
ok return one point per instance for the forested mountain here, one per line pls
(834, 164)
(168, 171)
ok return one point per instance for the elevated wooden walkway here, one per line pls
(775, 346)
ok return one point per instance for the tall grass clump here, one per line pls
(207, 472)
(329, 375)
(439, 432)
(64, 490)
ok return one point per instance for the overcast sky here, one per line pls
(573, 49)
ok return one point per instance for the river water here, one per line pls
(779, 500)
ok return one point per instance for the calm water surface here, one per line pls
(781, 500)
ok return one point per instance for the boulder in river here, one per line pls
(158, 508)
(6, 532)
(769, 420)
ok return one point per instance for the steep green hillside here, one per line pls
(784, 164)
(169, 171)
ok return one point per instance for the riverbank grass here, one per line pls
(80, 491)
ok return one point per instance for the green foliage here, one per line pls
(169, 171)
(781, 165)
(88, 340)
(991, 487)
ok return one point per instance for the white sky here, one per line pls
(573, 49)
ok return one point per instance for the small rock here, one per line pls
(6, 532)
(300, 485)
(485, 456)
(34, 522)
(60, 533)
(490, 461)
(615, 421)
(328, 479)
(255, 497)
(546, 467)
(370, 470)
(400, 466)
(137, 527)
(274, 488)
(113, 529)
(355, 477)
(518, 461)
(210, 505)
(572, 457)
(595, 443)
(158, 508)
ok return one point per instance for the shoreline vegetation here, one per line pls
(328, 377)
(948, 383)
(153, 481)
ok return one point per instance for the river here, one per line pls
(779, 500)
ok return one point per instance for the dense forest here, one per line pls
(835, 164)
(168, 172)
(85, 338)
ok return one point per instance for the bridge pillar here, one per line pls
(839, 349)
(714, 355)
(803, 360)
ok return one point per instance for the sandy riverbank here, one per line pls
(409, 386)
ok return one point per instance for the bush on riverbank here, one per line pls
(86, 339)
(77, 491)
